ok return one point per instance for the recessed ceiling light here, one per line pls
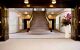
(43, 9)
(53, 1)
(35, 9)
(26, 1)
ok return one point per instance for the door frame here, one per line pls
(74, 32)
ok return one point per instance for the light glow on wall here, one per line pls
(51, 6)
(25, 12)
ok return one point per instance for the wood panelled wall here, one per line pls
(74, 33)
(78, 8)
(76, 23)
(4, 35)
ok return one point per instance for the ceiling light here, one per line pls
(26, 1)
(35, 9)
(53, 1)
(51, 6)
(43, 9)
(52, 12)
(28, 5)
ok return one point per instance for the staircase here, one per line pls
(39, 22)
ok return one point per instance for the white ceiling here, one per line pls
(54, 9)
(24, 9)
(49, 10)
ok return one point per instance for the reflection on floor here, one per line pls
(37, 34)
(40, 44)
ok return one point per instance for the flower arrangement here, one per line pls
(66, 20)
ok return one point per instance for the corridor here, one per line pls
(38, 23)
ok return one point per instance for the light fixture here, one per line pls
(53, 1)
(26, 1)
(43, 9)
(28, 5)
(35, 9)
(51, 6)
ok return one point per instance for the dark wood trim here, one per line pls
(4, 24)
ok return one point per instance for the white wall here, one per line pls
(13, 20)
(57, 22)
(21, 26)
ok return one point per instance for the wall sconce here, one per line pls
(51, 6)
(53, 1)
(28, 5)
(26, 1)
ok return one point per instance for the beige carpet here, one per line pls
(40, 44)
(39, 21)
(37, 34)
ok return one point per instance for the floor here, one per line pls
(37, 34)
(40, 44)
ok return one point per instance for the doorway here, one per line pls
(39, 26)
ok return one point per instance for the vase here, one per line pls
(67, 31)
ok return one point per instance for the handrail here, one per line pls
(29, 23)
(49, 23)
(47, 19)
(31, 19)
